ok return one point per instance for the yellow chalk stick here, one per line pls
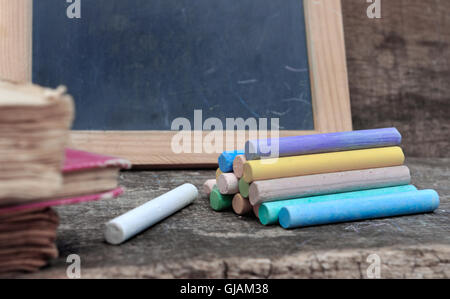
(257, 170)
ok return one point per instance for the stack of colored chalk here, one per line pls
(319, 179)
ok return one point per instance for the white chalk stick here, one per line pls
(208, 186)
(228, 183)
(135, 221)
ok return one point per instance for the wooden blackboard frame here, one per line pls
(328, 74)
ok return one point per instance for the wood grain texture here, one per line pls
(224, 245)
(153, 149)
(328, 70)
(399, 71)
(15, 40)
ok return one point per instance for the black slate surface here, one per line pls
(140, 64)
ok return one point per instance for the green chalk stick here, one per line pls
(243, 187)
(268, 212)
(219, 202)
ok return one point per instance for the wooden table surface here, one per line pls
(200, 243)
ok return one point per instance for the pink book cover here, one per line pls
(77, 160)
(80, 160)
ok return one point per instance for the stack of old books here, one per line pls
(27, 240)
(34, 126)
(28, 226)
(38, 172)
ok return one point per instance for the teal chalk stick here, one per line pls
(268, 211)
(353, 209)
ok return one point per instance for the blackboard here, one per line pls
(139, 64)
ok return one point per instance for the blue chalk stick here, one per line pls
(352, 209)
(321, 143)
(268, 211)
(226, 160)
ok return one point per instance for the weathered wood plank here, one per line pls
(197, 242)
(399, 71)
(15, 40)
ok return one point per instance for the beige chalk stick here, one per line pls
(228, 183)
(256, 210)
(238, 166)
(321, 184)
(208, 186)
(241, 205)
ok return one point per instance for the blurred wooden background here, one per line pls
(399, 71)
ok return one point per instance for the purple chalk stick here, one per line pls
(321, 143)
